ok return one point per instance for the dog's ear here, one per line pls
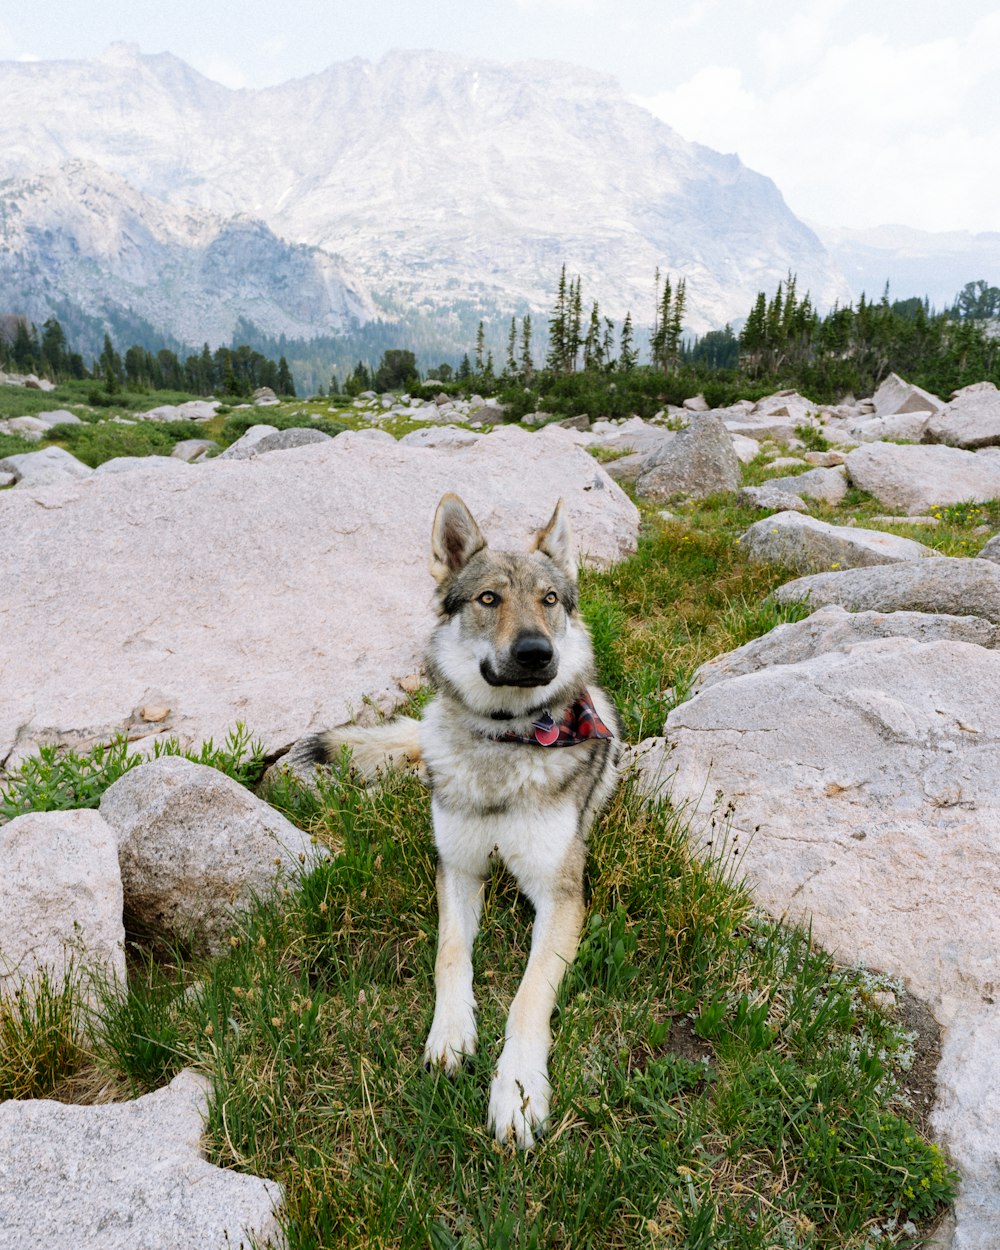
(556, 541)
(455, 538)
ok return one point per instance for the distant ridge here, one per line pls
(438, 179)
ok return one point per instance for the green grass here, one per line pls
(94, 443)
(59, 779)
(718, 1081)
(40, 1046)
(687, 595)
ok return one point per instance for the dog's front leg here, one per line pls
(519, 1095)
(453, 1030)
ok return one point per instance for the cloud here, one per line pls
(560, 6)
(228, 73)
(862, 131)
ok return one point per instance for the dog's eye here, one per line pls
(487, 599)
(551, 599)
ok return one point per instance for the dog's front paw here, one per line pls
(452, 1036)
(519, 1096)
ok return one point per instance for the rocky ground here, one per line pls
(283, 583)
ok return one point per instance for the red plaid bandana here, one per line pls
(580, 724)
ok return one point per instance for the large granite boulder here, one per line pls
(808, 545)
(833, 629)
(282, 591)
(896, 396)
(44, 465)
(971, 420)
(699, 461)
(915, 479)
(864, 792)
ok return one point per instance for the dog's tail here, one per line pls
(394, 745)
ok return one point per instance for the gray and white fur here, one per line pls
(509, 646)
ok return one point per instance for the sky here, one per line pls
(864, 112)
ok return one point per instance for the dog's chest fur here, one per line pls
(480, 776)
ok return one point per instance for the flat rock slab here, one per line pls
(833, 629)
(951, 584)
(808, 545)
(866, 789)
(60, 899)
(885, 827)
(126, 1176)
(918, 478)
(281, 591)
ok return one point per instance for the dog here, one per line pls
(520, 749)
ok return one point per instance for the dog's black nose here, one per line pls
(532, 651)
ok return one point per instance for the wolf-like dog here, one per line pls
(520, 749)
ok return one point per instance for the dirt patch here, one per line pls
(919, 1085)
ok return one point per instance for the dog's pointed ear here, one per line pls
(556, 541)
(455, 538)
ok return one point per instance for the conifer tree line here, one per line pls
(237, 371)
(785, 342)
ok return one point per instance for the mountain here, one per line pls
(84, 238)
(914, 262)
(439, 179)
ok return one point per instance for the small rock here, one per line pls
(771, 498)
(191, 450)
(287, 440)
(246, 445)
(194, 845)
(60, 900)
(826, 485)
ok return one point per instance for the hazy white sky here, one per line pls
(863, 111)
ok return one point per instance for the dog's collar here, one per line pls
(580, 723)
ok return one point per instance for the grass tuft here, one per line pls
(40, 1028)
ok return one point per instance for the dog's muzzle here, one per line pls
(532, 662)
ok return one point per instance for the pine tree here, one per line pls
(527, 364)
(593, 353)
(608, 344)
(674, 326)
(25, 351)
(574, 338)
(558, 328)
(111, 366)
(627, 354)
(285, 384)
(54, 355)
(511, 368)
(480, 348)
